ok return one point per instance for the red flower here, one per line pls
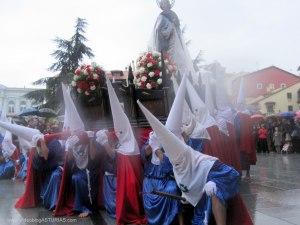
(83, 85)
(157, 72)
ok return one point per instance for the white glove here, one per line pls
(210, 188)
(153, 142)
(36, 138)
(101, 137)
(71, 142)
(90, 134)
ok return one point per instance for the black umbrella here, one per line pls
(29, 112)
(46, 112)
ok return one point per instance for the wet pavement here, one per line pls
(272, 197)
(273, 193)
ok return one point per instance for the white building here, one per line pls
(13, 101)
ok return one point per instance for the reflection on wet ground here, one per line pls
(272, 196)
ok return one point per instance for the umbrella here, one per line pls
(297, 113)
(287, 115)
(29, 112)
(257, 117)
(46, 112)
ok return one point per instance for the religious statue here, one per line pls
(167, 38)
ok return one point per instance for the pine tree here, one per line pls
(69, 54)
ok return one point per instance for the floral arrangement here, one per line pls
(87, 79)
(148, 74)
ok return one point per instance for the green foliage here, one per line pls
(68, 55)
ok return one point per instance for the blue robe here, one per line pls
(23, 162)
(85, 201)
(51, 172)
(227, 182)
(110, 186)
(7, 170)
(196, 144)
(159, 210)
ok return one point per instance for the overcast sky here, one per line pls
(241, 35)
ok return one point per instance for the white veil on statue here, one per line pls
(167, 37)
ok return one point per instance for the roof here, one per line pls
(260, 98)
(267, 68)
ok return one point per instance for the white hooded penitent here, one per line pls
(174, 121)
(190, 167)
(72, 119)
(123, 130)
(201, 113)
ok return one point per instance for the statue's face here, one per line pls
(165, 5)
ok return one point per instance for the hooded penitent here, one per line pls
(174, 121)
(190, 167)
(201, 113)
(72, 118)
(123, 130)
(129, 207)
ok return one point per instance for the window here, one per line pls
(22, 106)
(283, 85)
(272, 86)
(270, 107)
(289, 95)
(290, 108)
(259, 86)
(11, 107)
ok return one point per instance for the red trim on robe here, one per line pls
(65, 201)
(237, 213)
(30, 197)
(247, 141)
(129, 205)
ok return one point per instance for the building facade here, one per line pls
(262, 82)
(12, 100)
(277, 101)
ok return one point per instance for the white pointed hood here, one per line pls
(241, 95)
(72, 119)
(201, 113)
(174, 121)
(21, 131)
(224, 113)
(3, 118)
(209, 102)
(123, 130)
(190, 167)
(8, 147)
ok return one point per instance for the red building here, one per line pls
(263, 81)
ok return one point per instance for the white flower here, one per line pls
(138, 80)
(86, 93)
(85, 72)
(135, 73)
(144, 78)
(95, 76)
(73, 83)
(156, 54)
(138, 84)
(76, 78)
(148, 86)
(142, 70)
(151, 74)
(160, 74)
(93, 87)
(159, 81)
(79, 90)
(149, 65)
(159, 64)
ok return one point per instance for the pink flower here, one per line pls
(78, 71)
(148, 86)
